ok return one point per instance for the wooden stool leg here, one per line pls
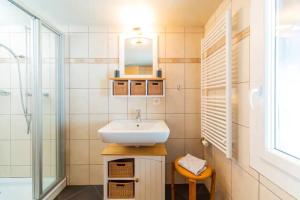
(213, 186)
(173, 181)
(192, 189)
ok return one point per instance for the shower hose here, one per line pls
(23, 104)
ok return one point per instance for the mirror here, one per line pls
(138, 55)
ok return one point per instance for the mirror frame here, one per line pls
(122, 39)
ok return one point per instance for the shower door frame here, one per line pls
(37, 122)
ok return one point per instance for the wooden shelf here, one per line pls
(136, 79)
(116, 149)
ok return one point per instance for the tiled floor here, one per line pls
(96, 192)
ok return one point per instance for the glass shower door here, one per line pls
(49, 52)
(15, 103)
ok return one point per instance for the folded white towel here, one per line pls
(192, 164)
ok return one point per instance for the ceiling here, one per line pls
(104, 12)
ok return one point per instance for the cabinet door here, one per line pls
(151, 179)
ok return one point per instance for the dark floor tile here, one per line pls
(96, 192)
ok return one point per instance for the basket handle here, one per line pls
(120, 185)
(121, 164)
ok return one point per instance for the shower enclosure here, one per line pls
(31, 105)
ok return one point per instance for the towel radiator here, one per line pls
(216, 85)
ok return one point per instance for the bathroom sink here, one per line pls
(135, 133)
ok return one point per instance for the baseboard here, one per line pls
(56, 190)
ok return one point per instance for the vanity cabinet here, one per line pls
(147, 180)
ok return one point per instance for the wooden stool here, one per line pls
(209, 172)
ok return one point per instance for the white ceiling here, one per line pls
(104, 12)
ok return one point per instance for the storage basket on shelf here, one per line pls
(122, 168)
(120, 189)
(120, 87)
(138, 87)
(155, 87)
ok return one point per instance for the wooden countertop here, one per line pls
(116, 149)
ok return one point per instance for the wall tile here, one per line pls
(19, 127)
(193, 45)
(161, 45)
(117, 116)
(156, 116)
(79, 152)
(174, 75)
(5, 171)
(156, 104)
(5, 75)
(96, 146)
(20, 171)
(175, 45)
(174, 101)
(5, 104)
(113, 45)
(20, 152)
(96, 174)
(96, 122)
(192, 126)
(244, 186)
(223, 170)
(79, 76)
(241, 115)
(117, 104)
(98, 76)
(193, 147)
(79, 45)
(79, 175)
(192, 100)
(4, 127)
(98, 101)
(98, 45)
(137, 103)
(240, 148)
(266, 194)
(192, 75)
(175, 123)
(4, 152)
(79, 128)
(78, 101)
(175, 149)
(241, 61)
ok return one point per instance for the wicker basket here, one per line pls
(121, 168)
(120, 88)
(120, 189)
(155, 88)
(138, 87)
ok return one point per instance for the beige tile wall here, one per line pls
(235, 178)
(94, 56)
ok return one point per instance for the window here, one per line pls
(275, 92)
(287, 78)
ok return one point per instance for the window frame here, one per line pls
(279, 167)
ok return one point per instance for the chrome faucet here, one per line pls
(138, 116)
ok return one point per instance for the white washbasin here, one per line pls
(134, 133)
